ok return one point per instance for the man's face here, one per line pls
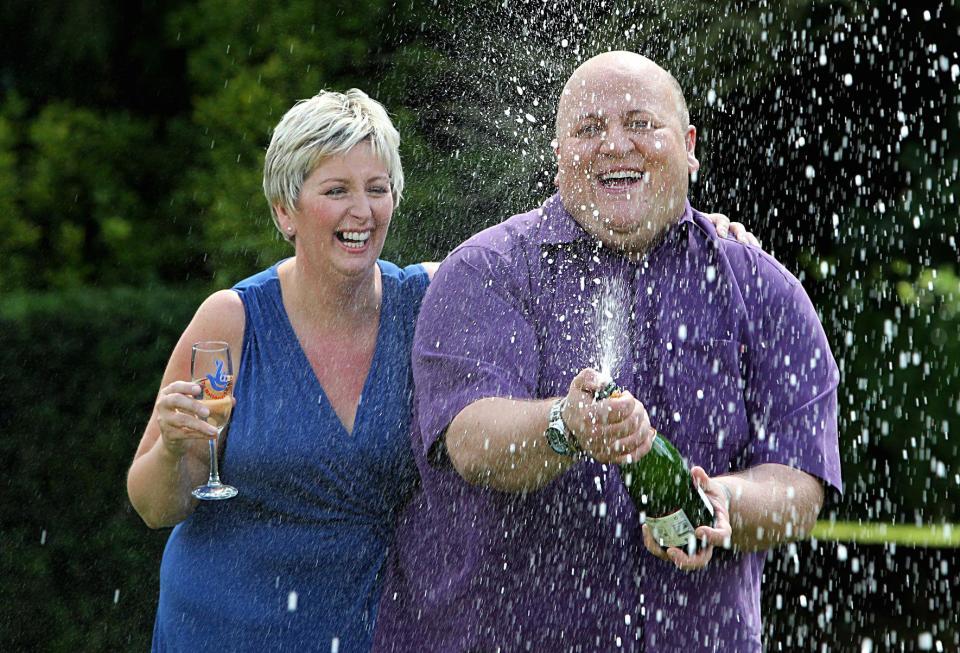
(623, 152)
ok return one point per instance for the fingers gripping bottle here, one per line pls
(662, 488)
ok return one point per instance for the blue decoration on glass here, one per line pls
(219, 380)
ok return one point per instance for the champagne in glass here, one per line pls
(212, 369)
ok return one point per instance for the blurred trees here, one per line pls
(132, 139)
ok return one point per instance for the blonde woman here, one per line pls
(318, 444)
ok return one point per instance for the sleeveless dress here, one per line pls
(296, 560)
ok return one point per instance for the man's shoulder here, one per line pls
(503, 257)
(748, 263)
(763, 287)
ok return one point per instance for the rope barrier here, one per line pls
(933, 535)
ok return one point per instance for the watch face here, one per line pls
(556, 432)
(557, 441)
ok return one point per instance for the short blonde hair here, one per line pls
(328, 124)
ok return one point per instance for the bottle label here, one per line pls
(674, 529)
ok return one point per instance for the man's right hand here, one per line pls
(615, 430)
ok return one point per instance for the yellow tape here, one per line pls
(935, 535)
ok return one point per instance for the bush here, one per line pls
(81, 371)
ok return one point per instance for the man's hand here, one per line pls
(718, 535)
(615, 430)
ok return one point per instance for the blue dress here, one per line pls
(295, 561)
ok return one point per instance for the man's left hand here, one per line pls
(718, 535)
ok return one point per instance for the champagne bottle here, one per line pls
(662, 488)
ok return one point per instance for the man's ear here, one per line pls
(691, 142)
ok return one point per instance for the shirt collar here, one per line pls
(557, 226)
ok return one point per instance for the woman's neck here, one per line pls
(330, 301)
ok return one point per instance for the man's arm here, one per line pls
(500, 442)
(790, 396)
(771, 504)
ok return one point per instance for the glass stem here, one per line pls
(214, 465)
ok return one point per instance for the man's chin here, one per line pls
(633, 243)
(628, 240)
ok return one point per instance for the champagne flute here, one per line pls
(212, 369)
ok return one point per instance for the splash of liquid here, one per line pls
(612, 306)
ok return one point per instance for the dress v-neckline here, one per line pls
(320, 392)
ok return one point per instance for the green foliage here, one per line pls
(901, 363)
(84, 205)
(81, 370)
(249, 62)
(20, 236)
(81, 190)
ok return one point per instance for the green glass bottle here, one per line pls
(662, 488)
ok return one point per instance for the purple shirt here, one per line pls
(727, 354)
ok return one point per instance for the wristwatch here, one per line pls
(559, 437)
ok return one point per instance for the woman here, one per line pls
(294, 560)
(318, 442)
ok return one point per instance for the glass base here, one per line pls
(215, 492)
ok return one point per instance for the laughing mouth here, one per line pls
(353, 239)
(622, 178)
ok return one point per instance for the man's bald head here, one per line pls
(614, 60)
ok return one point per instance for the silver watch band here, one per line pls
(558, 436)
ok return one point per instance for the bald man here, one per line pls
(520, 539)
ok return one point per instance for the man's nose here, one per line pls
(617, 141)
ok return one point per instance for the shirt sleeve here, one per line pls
(791, 380)
(473, 340)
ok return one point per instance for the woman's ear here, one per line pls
(284, 218)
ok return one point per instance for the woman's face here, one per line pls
(343, 213)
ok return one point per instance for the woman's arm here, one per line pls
(173, 456)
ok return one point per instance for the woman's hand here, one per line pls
(728, 229)
(181, 417)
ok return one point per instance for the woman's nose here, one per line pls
(362, 207)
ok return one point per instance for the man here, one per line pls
(517, 543)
